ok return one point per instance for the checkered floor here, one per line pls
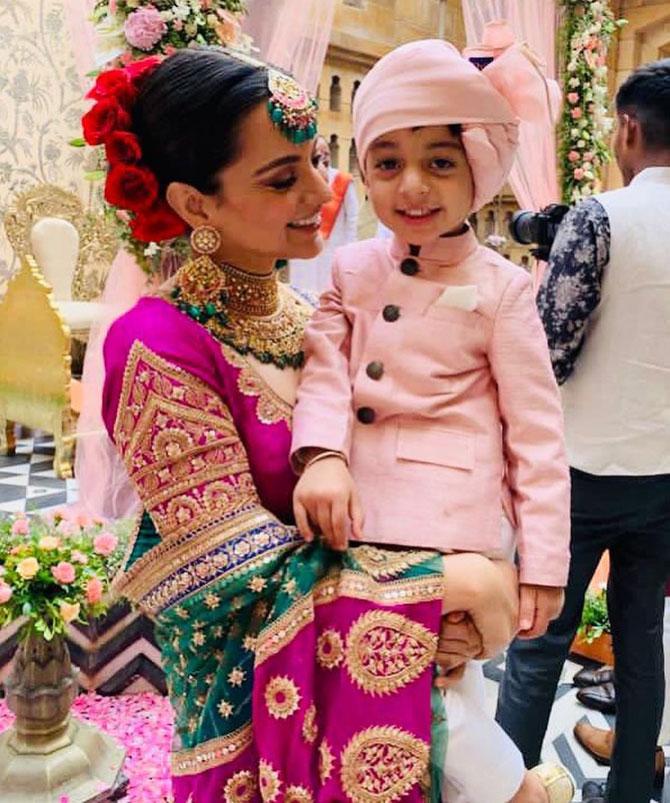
(28, 483)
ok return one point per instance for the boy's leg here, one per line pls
(533, 668)
(482, 764)
(640, 564)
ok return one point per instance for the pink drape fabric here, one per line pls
(534, 175)
(82, 36)
(292, 34)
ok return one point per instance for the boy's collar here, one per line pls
(443, 252)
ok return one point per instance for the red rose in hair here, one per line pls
(106, 116)
(131, 187)
(158, 224)
(137, 69)
(122, 146)
(115, 84)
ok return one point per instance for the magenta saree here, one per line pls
(297, 674)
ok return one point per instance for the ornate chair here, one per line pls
(64, 256)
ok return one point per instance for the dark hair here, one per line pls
(646, 95)
(189, 111)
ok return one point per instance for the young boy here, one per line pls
(428, 402)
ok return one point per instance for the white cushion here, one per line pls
(55, 245)
(79, 315)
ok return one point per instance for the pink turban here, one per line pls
(429, 83)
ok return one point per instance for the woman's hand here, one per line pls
(458, 643)
(325, 500)
(488, 591)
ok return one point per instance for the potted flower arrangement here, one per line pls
(594, 636)
(54, 570)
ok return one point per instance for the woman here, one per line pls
(332, 653)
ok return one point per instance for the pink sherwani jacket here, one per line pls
(430, 371)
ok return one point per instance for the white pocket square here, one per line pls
(462, 296)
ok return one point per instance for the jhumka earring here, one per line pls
(205, 240)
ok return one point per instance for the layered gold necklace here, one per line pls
(254, 314)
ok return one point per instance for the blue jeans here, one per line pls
(630, 516)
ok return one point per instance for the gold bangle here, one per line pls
(323, 456)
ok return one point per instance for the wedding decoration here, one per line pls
(54, 570)
(589, 26)
(131, 29)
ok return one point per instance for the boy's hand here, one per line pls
(325, 500)
(538, 605)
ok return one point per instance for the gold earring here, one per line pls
(205, 240)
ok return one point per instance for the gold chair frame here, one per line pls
(35, 341)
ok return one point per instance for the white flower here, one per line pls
(167, 16)
(574, 132)
(152, 250)
(581, 143)
(110, 40)
(574, 82)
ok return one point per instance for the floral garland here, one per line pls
(127, 32)
(131, 29)
(585, 127)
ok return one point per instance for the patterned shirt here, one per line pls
(570, 290)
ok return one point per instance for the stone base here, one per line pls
(85, 768)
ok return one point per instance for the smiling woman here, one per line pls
(200, 383)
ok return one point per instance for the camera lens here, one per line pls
(523, 227)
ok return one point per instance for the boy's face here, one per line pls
(419, 182)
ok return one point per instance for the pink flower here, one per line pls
(67, 527)
(588, 156)
(63, 572)
(573, 97)
(94, 590)
(576, 113)
(5, 592)
(83, 520)
(105, 543)
(144, 28)
(79, 557)
(573, 156)
(20, 527)
(578, 173)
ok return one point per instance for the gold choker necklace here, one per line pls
(251, 313)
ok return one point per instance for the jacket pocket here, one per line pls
(441, 447)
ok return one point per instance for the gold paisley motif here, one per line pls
(270, 408)
(386, 651)
(309, 727)
(241, 788)
(270, 781)
(330, 649)
(387, 563)
(282, 697)
(326, 761)
(298, 794)
(382, 764)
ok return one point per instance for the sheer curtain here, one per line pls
(534, 176)
(292, 34)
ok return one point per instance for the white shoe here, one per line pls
(557, 781)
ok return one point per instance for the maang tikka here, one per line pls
(291, 108)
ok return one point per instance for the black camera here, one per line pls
(538, 227)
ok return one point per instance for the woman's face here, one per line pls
(419, 182)
(270, 200)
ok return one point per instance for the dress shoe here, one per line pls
(557, 782)
(593, 792)
(598, 743)
(593, 677)
(600, 698)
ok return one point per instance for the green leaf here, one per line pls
(78, 142)
(95, 175)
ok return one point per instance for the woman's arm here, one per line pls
(182, 452)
